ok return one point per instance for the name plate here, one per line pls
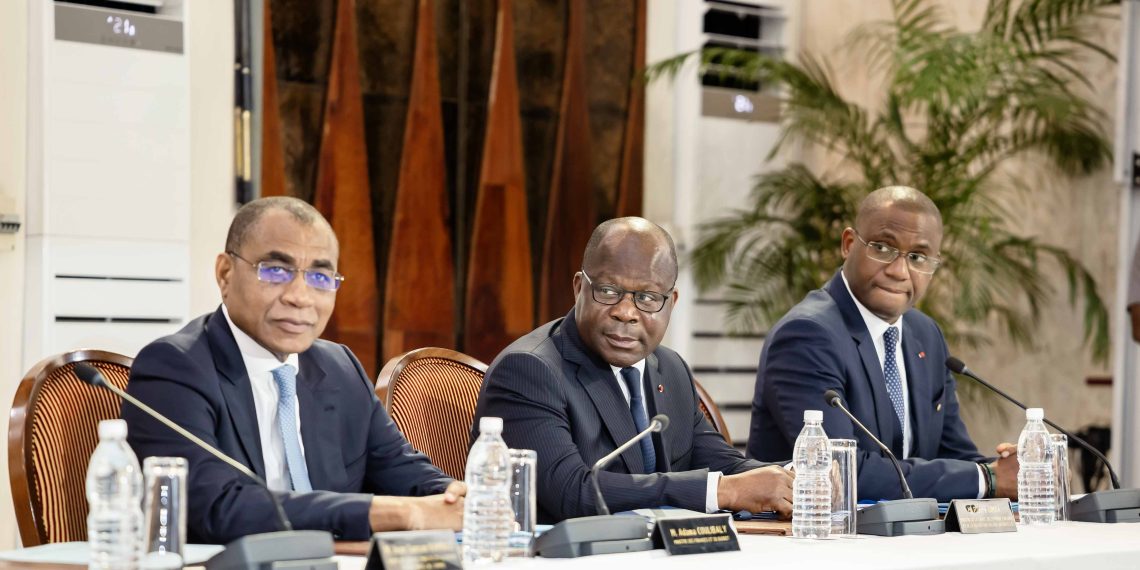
(980, 515)
(697, 535)
(414, 550)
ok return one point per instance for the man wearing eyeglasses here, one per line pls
(578, 387)
(861, 336)
(254, 380)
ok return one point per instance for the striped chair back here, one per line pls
(430, 394)
(711, 411)
(52, 432)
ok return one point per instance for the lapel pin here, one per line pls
(661, 388)
(922, 355)
(938, 408)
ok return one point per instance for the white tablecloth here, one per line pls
(1066, 545)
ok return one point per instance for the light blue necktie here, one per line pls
(891, 372)
(633, 381)
(286, 378)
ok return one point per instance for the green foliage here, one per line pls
(957, 106)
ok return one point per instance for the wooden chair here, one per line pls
(431, 394)
(52, 432)
(712, 412)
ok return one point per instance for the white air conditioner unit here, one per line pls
(108, 202)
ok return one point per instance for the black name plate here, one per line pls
(697, 535)
(980, 515)
(414, 550)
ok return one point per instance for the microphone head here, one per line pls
(955, 365)
(832, 398)
(90, 374)
(662, 420)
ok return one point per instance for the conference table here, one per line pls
(1064, 545)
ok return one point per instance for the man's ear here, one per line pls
(223, 272)
(577, 283)
(846, 242)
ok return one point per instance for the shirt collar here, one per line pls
(639, 365)
(875, 325)
(257, 358)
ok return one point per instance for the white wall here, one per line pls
(210, 46)
(13, 99)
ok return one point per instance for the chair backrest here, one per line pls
(711, 411)
(431, 394)
(52, 432)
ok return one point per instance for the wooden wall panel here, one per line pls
(344, 196)
(631, 180)
(571, 210)
(419, 307)
(272, 154)
(500, 303)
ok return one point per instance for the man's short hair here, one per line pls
(248, 215)
(903, 197)
(633, 223)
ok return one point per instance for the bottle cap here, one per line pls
(813, 415)
(1035, 413)
(489, 424)
(112, 429)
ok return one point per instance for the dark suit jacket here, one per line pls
(197, 378)
(557, 398)
(823, 343)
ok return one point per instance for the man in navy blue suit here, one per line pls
(576, 388)
(254, 380)
(861, 336)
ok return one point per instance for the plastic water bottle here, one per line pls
(114, 491)
(487, 517)
(1036, 501)
(811, 492)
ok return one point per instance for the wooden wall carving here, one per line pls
(465, 31)
(419, 302)
(344, 197)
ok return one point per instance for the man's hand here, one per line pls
(1005, 470)
(764, 489)
(443, 511)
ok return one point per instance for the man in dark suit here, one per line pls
(846, 337)
(578, 387)
(254, 380)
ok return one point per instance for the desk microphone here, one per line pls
(898, 517)
(252, 550)
(603, 533)
(657, 424)
(1116, 505)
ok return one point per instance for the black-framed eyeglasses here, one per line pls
(608, 294)
(279, 274)
(884, 253)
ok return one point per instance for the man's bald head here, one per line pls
(903, 198)
(618, 232)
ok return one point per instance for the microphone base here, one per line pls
(586, 536)
(1115, 506)
(299, 549)
(900, 518)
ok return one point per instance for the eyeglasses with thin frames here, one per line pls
(278, 274)
(645, 301)
(884, 253)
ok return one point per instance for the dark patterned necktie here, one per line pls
(636, 406)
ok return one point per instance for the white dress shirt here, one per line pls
(711, 503)
(877, 327)
(259, 364)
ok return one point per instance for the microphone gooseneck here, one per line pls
(832, 398)
(958, 367)
(92, 376)
(656, 425)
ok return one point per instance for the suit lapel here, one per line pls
(885, 418)
(316, 405)
(599, 382)
(236, 389)
(918, 385)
